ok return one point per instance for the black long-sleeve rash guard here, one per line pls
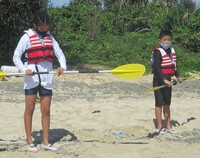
(157, 61)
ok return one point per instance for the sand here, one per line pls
(102, 116)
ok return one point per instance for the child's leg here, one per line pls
(28, 114)
(166, 112)
(45, 109)
(158, 113)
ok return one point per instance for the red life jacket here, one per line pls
(168, 65)
(39, 51)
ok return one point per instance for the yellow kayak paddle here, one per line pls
(174, 82)
(128, 71)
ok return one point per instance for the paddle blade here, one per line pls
(129, 71)
(2, 75)
(154, 88)
(193, 77)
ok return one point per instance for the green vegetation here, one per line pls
(116, 33)
(15, 16)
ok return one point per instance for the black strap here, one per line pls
(37, 49)
(38, 74)
(42, 57)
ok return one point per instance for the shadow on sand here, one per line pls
(55, 135)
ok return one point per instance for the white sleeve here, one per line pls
(59, 54)
(23, 45)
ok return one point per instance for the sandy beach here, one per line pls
(102, 116)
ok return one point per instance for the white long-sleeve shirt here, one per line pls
(47, 80)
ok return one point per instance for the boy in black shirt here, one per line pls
(164, 67)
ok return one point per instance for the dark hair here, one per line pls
(165, 33)
(41, 17)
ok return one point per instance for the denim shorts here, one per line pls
(42, 91)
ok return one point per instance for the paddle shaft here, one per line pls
(174, 82)
(163, 86)
(72, 72)
(65, 72)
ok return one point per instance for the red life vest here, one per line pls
(168, 65)
(39, 51)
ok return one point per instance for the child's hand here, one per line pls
(168, 83)
(60, 71)
(29, 72)
(180, 79)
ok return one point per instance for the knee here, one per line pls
(29, 109)
(45, 111)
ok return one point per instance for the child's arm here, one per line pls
(168, 83)
(180, 79)
(60, 55)
(23, 44)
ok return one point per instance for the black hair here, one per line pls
(165, 33)
(41, 17)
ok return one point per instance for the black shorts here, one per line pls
(42, 91)
(163, 95)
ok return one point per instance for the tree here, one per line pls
(15, 16)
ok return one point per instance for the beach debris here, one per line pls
(119, 132)
(132, 142)
(96, 111)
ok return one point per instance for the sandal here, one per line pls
(32, 148)
(49, 147)
(172, 131)
(160, 131)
